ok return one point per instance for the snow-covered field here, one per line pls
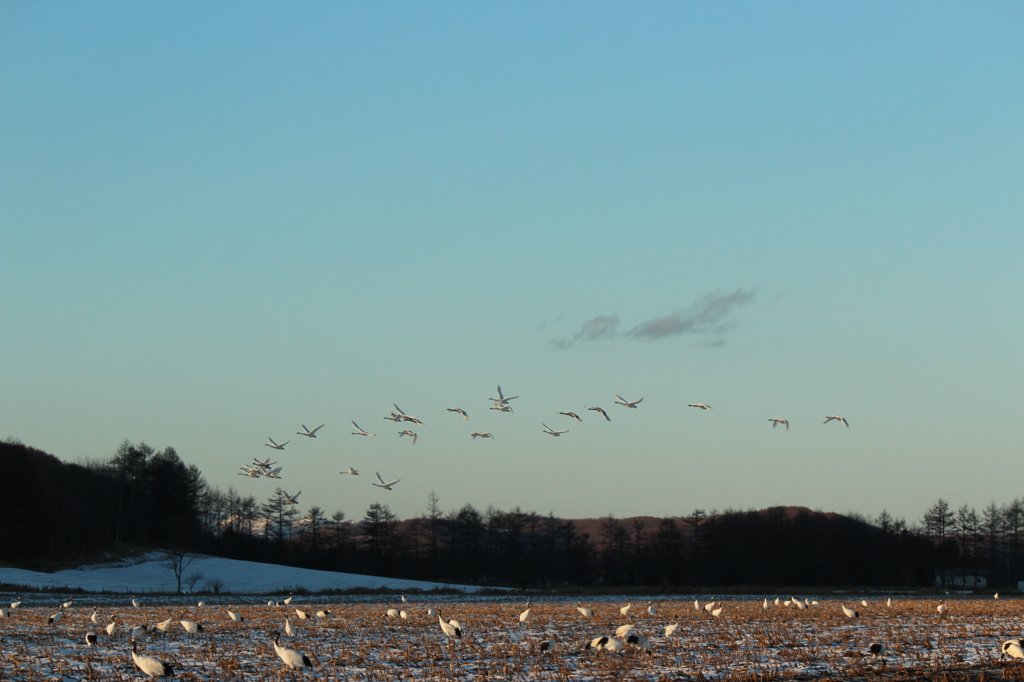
(149, 574)
(359, 641)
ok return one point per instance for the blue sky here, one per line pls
(222, 220)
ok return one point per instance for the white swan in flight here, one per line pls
(382, 484)
(838, 419)
(251, 472)
(405, 417)
(501, 399)
(273, 473)
(263, 464)
(458, 410)
(627, 403)
(276, 446)
(573, 415)
(407, 432)
(600, 410)
(502, 407)
(306, 432)
(776, 421)
(551, 431)
(291, 499)
(350, 472)
(700, 405)
(482, 434)
(360, 432)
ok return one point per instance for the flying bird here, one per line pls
(407, 432)
(627, 403)
(572, 414)
(459, 410)
(550, 431)
(360, 432)
(501, 399)
(776, 421)
(350, 472)
(307, 432)
(291, 499)
(502, 407)
(382, 484)
(838, 419)
(274, 445)
(600, 410)
(482, 434)
(700, 405)
(405, 417)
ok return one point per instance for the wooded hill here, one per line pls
(152, 499)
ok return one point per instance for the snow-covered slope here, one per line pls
(150, 574)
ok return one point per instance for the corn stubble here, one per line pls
(359, 642)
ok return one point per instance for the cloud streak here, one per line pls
(708, 316)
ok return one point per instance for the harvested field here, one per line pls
(358, 641)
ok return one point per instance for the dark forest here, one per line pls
(146, 498)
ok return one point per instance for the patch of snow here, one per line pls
(240, 577)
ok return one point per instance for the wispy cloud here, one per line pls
(600, 327)
(708, 316)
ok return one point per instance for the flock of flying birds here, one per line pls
(267, 469)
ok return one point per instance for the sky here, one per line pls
(221, 221)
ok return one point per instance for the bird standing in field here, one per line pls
(153, 667)
(1013, 649)
(90, 639)
(191, 627)
(292, 658)
(848, 612)
(449, 628)
(584, 610)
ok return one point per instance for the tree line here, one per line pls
(152, 499)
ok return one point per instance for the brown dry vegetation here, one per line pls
(359, 642)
